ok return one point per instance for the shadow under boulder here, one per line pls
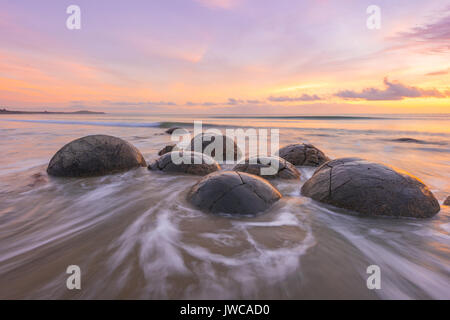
(370, 189)
(268, 167)
(233, 192)
(302, 154)
(185, 162)
(95, 155)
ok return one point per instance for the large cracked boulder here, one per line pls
(370, 189)
(219, 147)
(302, 154)
(185, 162)
(94, 156)
(268, 167)
(233, 192)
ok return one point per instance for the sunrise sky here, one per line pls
(226, 56)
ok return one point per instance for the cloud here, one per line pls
(393, 91)
(436, 33)
(438, 73)
(303, 97)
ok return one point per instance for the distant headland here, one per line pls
(5, 111)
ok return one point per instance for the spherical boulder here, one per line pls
(172, 130)
(233, 192)
(207, 143)
(166, 149)
(302, 154)
(185, 162)
(268, 167)
(370, 189)
(447, 201)
(93, 156)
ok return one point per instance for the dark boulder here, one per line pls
(206, 143)
(172, 129)
(166, 149)
(370, 189)
(265, 167)
(234, 193)
(189, 162)
(93, 156)
(447, 201)
(302, 154)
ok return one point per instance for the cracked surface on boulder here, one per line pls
(370, 189)
(233, 192)
(302, 154)
(195, 163)
(254, 165)
(93, 156)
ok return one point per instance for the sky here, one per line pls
(226, 56)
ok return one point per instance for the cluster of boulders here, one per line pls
(363, 187)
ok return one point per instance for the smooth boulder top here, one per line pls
(302, 154)
(370, 189)
(206, 144)
(233, 192)
(95, 155)
(256, 165)
(194, 163)
(447, 201)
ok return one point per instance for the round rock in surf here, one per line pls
(447, 201)
(219, 147)
(302, 154)
(94, 156)
(173, 129)
(233, 192)
(185, 162)
(268, 167)
(166, 149)
(370, 189)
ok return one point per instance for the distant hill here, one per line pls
(5, 111)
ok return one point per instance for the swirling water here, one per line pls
(134, 235)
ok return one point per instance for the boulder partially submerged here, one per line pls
(268, 167)
(166, 149)
(173, 129)
(370, 189)
(185, 162)
(219, 147)
(447, 201)
(95, 155)
(233, 192)
(301, 154)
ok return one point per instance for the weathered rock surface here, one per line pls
(93, 156)
(256, 165)
(370, 189)
(206, 144)
(194, 163)
(166, 149)
(234, 193)
(302, 154)
(447, 201)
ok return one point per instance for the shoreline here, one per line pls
(5, 111)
